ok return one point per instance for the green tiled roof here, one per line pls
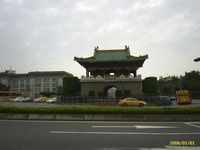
(111, 55)
(101, 55)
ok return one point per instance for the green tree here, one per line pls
(3, 87)
(149, 86)
(169, 85)
(193, 76)
(71, 86)
(59, 90)
(191, 82)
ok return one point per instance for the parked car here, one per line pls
(18, 99)
(131, 102)
(173, 98)
(41, 100)
(27, 99)
(164, 100)
(52, 100)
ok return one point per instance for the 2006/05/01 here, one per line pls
(181, 143)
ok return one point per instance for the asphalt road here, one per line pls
(66, 135)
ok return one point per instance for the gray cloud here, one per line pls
(46, 35)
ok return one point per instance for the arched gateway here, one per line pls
(110, 91)
(111, 68)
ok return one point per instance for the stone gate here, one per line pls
(111, 68)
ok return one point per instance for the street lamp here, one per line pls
(197, 59)
(180, 82)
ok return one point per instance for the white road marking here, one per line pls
(112, 126)
(107, 122)
(123, 133)
(136, 126)
(153, 127)
(191, 124)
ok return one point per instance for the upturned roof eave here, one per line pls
(129, 59)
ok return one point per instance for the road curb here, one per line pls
(102, 117)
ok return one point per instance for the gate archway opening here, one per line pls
(110, 91)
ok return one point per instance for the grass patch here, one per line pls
(100, 110)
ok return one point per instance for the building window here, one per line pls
(37, 80)
(46, 90)
(37, 89)
(21, 85)
(27, 80)
(14, 89)
(38, 85)
(54, 84)
(15, 81)
(21, 81)
(46, 85)
(28, 88)
(46, 80)
(54, 79)
(14, 86)
(21, 90)
(54, 90)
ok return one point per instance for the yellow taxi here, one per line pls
(131, 102)
(41, 100)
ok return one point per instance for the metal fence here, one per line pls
(81, 100)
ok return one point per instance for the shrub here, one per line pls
(100, 110)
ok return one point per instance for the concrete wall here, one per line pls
(135, 87)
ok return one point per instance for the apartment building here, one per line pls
(32, 83)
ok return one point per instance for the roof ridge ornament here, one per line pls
(126, 47)
(128, 50)
(96, 48)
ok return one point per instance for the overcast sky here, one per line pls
(45, 35)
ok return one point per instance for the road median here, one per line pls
(101, 113)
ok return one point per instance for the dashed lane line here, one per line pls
(136, 126)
